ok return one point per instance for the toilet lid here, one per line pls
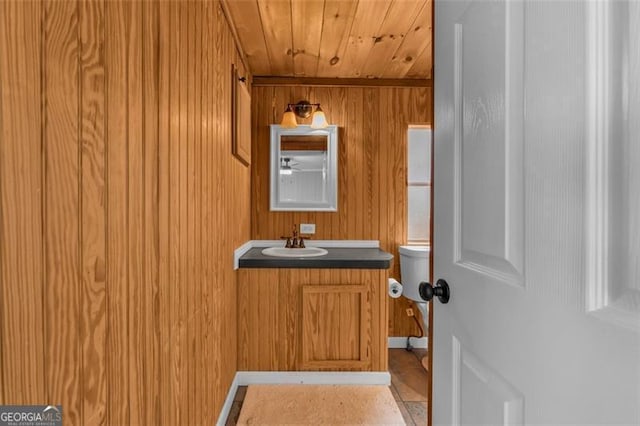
(414, 251)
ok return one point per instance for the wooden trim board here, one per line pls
(224, 7)
(337, 82)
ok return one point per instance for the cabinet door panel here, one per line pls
(336, 326)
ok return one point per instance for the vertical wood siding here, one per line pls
(372, 193)
(120, 207)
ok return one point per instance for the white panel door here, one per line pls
(537, 212)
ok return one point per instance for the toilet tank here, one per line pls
(414, 268)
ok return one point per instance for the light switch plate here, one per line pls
(307, 228)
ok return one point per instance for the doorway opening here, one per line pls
(409, 365)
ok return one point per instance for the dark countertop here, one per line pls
(340, 258)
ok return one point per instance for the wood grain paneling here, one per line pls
(401, 14)
(276, 26)
(61, 93)
(120, 207)
(335, 38)
(148, 332)
(373, 124)
(296, 319)
(306, 35)
(414, 53)
(362, 37)
(93, 213)
(338, 15)
(118, 21)
(21, 208)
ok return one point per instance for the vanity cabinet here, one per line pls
(312, 319)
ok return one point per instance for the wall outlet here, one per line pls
(307, 228)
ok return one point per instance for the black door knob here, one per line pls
(441, 291)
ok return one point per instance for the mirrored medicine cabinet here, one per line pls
(304, 168)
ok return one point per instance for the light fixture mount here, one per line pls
(303, 109)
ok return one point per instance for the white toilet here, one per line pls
(414, 268)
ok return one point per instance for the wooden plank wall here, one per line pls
(372, 201)
(120, 207)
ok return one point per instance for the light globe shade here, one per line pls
(289, 119)
(319, 120)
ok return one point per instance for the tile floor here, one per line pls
(408, 386)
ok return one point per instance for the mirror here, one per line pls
(304, 169)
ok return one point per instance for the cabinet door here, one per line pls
(336, 327)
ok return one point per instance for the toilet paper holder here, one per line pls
(395, 288)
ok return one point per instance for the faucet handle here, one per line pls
(288, 244)
(301, 240)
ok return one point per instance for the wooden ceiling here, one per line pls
(335, 38)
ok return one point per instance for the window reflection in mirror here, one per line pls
(304, 169)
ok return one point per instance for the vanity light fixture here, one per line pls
(319, 121)
(303, 109)
(289, 119)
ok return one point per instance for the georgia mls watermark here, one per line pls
(30, 415)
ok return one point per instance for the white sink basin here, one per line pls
(294, 252)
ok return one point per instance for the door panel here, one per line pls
(613, 156)
(488, 398)
(536, 200)
(488, 137)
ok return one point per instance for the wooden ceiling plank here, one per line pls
(336, 24)
(414, 42)
(369, 18)
(335, 38)
(423, 65)
(276, 24)
(397, 23)
(306, 24)
(246, 20)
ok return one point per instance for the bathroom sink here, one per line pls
(294, 252)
